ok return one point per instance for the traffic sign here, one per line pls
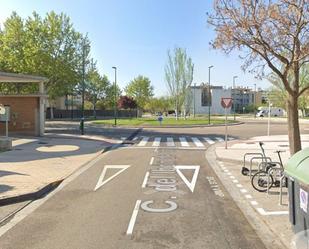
(2, 110)
(226, 102)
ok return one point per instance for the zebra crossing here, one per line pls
(185, 142)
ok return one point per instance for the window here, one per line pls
(206, 97)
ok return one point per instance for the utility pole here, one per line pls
(209, 93)
(115, 96)
(233, 90)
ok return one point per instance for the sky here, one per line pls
(135, 35)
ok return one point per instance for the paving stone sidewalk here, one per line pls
(264, 209)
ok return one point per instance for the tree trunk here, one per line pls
(293, 124)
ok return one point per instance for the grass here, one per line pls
(154, 122)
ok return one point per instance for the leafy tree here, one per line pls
(48, 46)
(140, 89)
(126, 102)
(96, 86)
(271, 34)
(109, 100)
(162, 104)
(179, 75)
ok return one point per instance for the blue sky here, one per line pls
(134, 35)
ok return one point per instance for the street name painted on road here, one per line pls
(101, 180)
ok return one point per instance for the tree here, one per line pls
(48, 46)
(271, 34)
(96, 86)
(179, 76)
(140, 89)
(126, 102)
(109, 100)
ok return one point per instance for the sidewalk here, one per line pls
(266, 215)
(36, 162)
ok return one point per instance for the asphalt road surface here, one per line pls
(134, 197)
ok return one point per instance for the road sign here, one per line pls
(2, 110)
(226, 102)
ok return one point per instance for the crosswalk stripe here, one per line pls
(208, 140)
(156, 142)
(197, 142)
(170, 142)
(220, 139)
(143, 142)
(183, 142)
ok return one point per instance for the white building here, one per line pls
(201, 99)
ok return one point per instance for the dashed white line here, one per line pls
(244, 190)
(156, 142)
(220, 139)
(151, 161)
(170, 142)
(254, 203)
(133, 217)
(145, 179)
(235, 181)
(183, 142)
(143, 142)
(197, 142)
(208, 140)
(239, 185)
(248, 196)
(232, 177)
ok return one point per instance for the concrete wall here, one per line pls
(216, 95)
(24, 115)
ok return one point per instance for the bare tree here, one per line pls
(273, 34)
(179, 76)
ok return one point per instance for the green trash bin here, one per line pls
(297, 171)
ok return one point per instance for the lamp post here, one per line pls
(83, 90)
(209, 98)
(115, 96)
(254, 100)
(194, 100)
(234, 102)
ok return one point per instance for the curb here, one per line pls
(52, 185)
(266, 234)
(174, 126)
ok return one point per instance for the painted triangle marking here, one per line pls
(196, 168)
(101, 180)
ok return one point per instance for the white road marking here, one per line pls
(196, 168)
(183, 142)
(225, 170)
(239, 185)
(229, 173)
(266, 213)
(235, 181)
(232, 177)
(220, 139)
(197, 142)
(243, 190)
(101, 180)
(156, 142)
(145, 179)
(135, 138)
(248, 196)
(208, 140)
(170, 142)
(254, 203)
(143, 142)
(133, 217)
(123, 138)
(151, 161)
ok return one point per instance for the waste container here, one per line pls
(297, 172)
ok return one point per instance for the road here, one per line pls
(133, 197)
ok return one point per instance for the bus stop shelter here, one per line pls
(25, 109)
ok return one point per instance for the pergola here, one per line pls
(22, 78)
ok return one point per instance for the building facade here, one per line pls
(207, 99)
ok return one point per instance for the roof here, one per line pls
(20, 78)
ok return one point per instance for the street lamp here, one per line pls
(254, 100)
(234, 102)
(83, 89)
(210, 67)
(115, 96)
(194, 100)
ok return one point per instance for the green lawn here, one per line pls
(154, 122)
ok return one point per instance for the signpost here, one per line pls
(3, 111)
(226, 103)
